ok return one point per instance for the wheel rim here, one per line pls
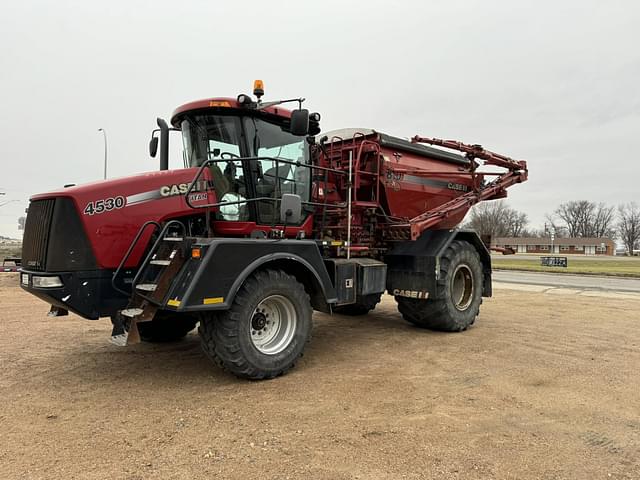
(462, 287)
(273, 324)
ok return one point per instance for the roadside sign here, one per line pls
(554, 262)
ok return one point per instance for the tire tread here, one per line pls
(434, 314)
(219, 331)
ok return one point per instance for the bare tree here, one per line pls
(516, 222)
(572, 215)
(487, 218)
(498, 220)
(535, 233)
(629, 225)
(583, 218)
(554, 225)
(604, 221)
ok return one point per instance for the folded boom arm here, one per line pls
(516, 173)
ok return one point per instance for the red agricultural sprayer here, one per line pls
(268, 220)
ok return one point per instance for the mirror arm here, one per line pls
(260, 106)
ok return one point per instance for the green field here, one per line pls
(620, 267)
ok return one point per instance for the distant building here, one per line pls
(561, 246)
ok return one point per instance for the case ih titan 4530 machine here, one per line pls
(265, 224)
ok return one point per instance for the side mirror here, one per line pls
(290, 209)
(299, 122)
(153, 146)
(164, 144)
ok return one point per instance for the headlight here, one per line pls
(46, 282)
(24, 278)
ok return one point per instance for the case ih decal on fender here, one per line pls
(196, 197)
(104, 205)
(410, 294)
(181, 188)
(175, 189)
(172, 190)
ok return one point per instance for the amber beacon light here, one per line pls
(258, 88)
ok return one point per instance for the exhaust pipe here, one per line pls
(164, 144)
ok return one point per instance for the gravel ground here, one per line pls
(543, 387)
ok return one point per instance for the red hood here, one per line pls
(112, 211)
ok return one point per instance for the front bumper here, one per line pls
(85, 293)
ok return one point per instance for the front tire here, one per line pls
(461, 280)
(264, 332)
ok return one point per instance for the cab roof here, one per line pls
(217, 103)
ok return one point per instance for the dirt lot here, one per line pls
(544, 387)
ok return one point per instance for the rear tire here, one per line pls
(363, 305)
(461, 279)
(166, 327)
(266, 329)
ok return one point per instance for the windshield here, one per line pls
(271, 140)
(221, 137)
(210, 136)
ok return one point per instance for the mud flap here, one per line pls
(57, 312)
(413, 267)
(125, 331)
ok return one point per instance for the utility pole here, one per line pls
(104, 134)
(551, 230)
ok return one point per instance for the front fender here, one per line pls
(212, 282)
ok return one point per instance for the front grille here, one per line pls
(36, 234)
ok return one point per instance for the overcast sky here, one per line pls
(555, 83)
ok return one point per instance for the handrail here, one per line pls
(375, 150)
(128, 254)
(152, 252)
(212, 161)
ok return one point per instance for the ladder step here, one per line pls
(119, 340)
(160, 262)
(172, 239)
(131, 312)
(147, 287)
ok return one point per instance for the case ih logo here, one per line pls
(199, 192)
(411, 293)
(181, 188)
(457, 186)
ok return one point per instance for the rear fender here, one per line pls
(414, 266)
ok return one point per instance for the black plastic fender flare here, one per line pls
(322, 282)
(212, 282)
(415, 265)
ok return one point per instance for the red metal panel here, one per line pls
(147, 196)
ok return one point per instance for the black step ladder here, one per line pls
(152, 283)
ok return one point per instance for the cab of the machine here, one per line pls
(255, 153)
